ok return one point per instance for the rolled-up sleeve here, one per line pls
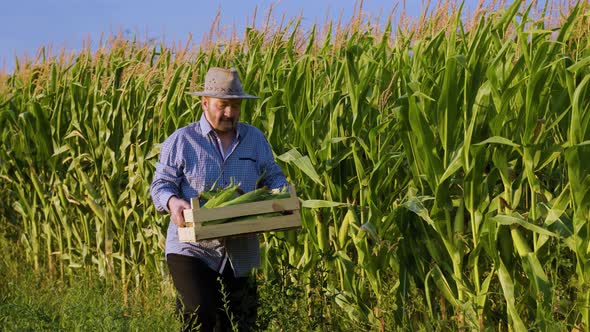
(167, 176)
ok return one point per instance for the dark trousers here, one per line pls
(200, 300)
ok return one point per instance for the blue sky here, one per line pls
(27, 25)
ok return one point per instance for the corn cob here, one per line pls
(260, 194)
(223, 196)
(279, 196)
(206, 195)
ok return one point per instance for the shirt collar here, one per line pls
(206, 128)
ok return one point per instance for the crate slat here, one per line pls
(186, 234)
(246, 209)
(249, 226)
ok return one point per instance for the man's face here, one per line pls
(222, 114)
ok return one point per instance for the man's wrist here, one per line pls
(170, 198)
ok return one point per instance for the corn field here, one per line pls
(443, 165)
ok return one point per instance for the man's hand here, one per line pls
(176, 206)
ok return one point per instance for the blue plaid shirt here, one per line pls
(192, 160)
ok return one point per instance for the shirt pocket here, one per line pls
(249, 165)
(245, 160)
(248, 168)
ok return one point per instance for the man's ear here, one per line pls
(205, 103)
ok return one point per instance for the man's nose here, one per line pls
(229, 111)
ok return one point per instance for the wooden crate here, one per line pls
(194, 229)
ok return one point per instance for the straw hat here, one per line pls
(223, 83)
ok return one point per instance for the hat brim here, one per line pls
(222, 96)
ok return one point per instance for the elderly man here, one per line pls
(215, 150)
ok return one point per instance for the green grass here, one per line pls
(36, 302)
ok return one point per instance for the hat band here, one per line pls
(223, 90)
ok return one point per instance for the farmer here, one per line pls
(216, 150)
